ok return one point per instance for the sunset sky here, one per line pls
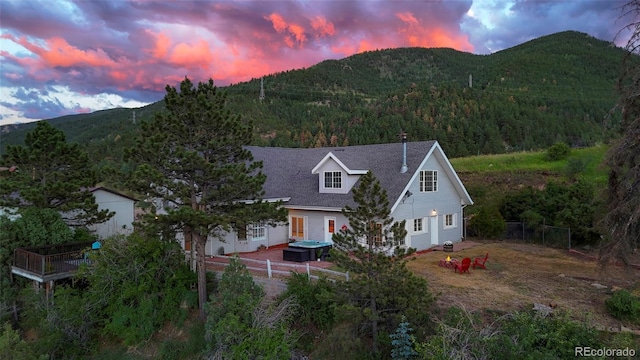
(60, 57)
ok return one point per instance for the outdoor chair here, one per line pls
(463, 266)
(479, 262)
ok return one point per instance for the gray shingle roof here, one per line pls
(289, 174)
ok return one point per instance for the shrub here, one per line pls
(13, 347)
(315, 299)
(575, 166)
(519, 335)
(137, 284)
(557, 151)
(488, 222)
(624, 306)
(241, 324)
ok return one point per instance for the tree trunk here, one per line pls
(200, 242)
(374, 324)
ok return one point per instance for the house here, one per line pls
(123, 206)
(315, 184)
(47, 263)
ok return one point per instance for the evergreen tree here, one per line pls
(382, 288)
(622, 221)
(403, 342)
(192, 157)
(49, 173)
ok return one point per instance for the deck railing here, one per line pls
(50, 259)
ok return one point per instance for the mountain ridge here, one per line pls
(471, 103)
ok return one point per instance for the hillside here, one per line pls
(555, 88)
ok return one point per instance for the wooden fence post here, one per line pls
(269, 268)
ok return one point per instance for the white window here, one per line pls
(332, 180)
(428, 180)
(258, 231)
(418, 225)
(450, 221)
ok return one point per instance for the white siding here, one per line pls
(315, 226)
(122, 220)
(445, 200)
(347, 180)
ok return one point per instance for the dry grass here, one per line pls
(519, 275)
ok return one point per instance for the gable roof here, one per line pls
(289, 173)
(94, 189)
(330, 156)
(437, 152)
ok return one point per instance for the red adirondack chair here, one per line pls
(479, 262)
(463, 266)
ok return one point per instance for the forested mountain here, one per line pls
(559, 87)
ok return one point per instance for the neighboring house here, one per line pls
(315, 184)
(122, 205)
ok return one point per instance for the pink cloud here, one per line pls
(161, 45)
(294, 33)
(407, 17)
(190, 56)
(322, 26)
(58, 52)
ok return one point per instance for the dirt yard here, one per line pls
(519, 275)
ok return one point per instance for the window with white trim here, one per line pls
(450, 221)
(428, 180)
(258, 231)
(297, 227)
(418, 225)
(332, 180)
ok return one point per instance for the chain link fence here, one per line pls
(546, 235)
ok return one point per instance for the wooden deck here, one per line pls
(49, 262)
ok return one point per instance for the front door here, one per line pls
(329, 228)
(434, 229)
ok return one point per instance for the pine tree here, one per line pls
(192, 157)
(48, 173)
(622, 220)
(382, 288)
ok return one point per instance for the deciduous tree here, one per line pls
(192, 157)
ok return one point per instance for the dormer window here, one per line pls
(333, 180)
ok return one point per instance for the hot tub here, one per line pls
(310, 244)
(313, 246)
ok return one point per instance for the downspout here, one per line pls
(464, 221)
